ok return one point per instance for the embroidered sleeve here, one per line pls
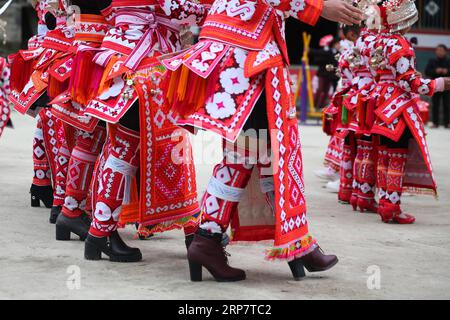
(404, 63)
(185, 12)
(307, 11)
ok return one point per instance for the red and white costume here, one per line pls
(131, 75)
(216, 85)
(362, 104)
(52, 66)
(30, 77)
(397, 94)
(333, 154)
(88, 137)
(403, 158)
(339, 117)
(5, 108)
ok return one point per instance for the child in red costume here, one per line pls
(403, 161)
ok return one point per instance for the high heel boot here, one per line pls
(208, 252)
(113, 246)
(41, 193)
(316, 261)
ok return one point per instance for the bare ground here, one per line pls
(413, 260)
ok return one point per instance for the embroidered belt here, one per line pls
(91, 28)
(152, 36)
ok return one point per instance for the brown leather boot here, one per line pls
(209, 253)
(315, 261)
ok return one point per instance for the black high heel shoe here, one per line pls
(65, 226)
(113, 246)
(41, 193)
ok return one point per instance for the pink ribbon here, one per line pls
(153, 24)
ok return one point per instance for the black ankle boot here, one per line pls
(113, 246)
(65, 226)
(54, 213)
(41, 193)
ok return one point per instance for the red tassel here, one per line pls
(21, 71)
(55, 87)
(370, 113)
(86, 78)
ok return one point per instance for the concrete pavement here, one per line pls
(413, 261)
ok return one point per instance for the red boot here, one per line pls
(356, 178)
(114, 184)
(386, 212)
(346, 174)
(367, 177)
(390, 210)
(382, 169)
(404, 218)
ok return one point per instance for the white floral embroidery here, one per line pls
(423, 89)
(240, 56)
(222, 106)
(296, 7)
(70, 203)
(40, 174)
(391, 42)
(103, 212)
(403, 65)
(234, 81)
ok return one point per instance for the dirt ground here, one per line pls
(377, 261)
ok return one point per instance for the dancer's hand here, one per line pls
(187, 39)
(341, 11)
(447, 84)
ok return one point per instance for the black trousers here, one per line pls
(403, 142)
(258, 118)
(443, 97)
(130, 119)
